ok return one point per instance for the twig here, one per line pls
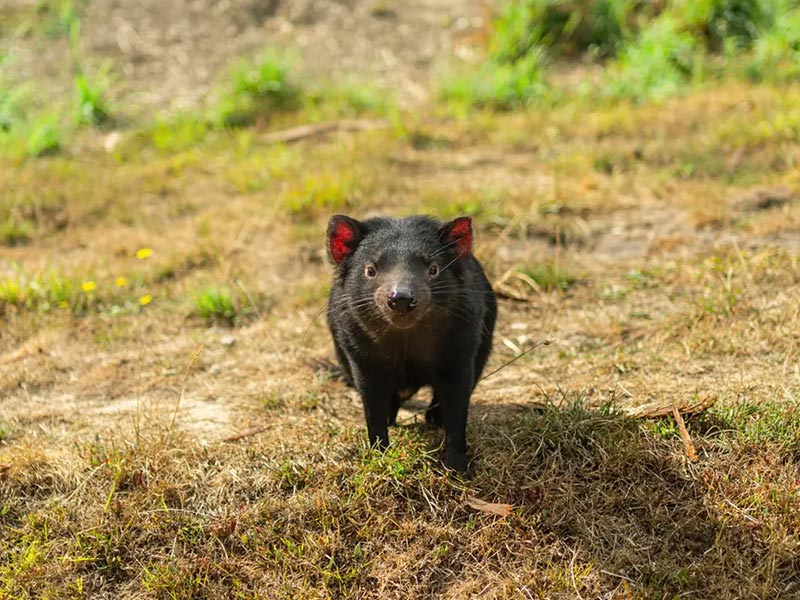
(317, 129)
(249, 297)
(662, 409)
(530, 348)
(517, 357)
(183, 388)
(687, 441)
(238, 436)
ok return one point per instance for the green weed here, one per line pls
(323, 192)
(757, 423)
(216, 305)
(64, 14)
(54, 292)
(23, 215)
(776, 52)
(222, 305)
(656, 65)
(26, 131)
(179, 133)
(15, 233)
(498, 85)
(721, 21)
(348, 99)
(91, 105)
(256, 90)
(570, 27)
(549, 276)
(46, 136)
(13, 100)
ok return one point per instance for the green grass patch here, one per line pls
(650, 51)
(15, 232)
(497, 85)
(548, 276)
(759, 423)
(53, 292)
(227, 306)
(570, 27)
(256, 90)
(321, 193)
(91, 104)
(349, 98)
(656, 65)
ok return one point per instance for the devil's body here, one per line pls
(398, 327)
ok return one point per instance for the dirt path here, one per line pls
(160, 58)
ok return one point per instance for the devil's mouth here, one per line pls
(402, 322)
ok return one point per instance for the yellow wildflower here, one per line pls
(88, 286)
(64, 304)
(143, 253)
(145, 300)
(121, 282)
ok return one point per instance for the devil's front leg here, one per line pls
(452, 390)
(377, 389)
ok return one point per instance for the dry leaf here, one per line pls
(490, 508)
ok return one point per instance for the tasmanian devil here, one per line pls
(410, 306)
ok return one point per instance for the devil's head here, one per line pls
(398, 271)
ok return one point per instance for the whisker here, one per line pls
(460, 313)
(445, 247)
(448, 265)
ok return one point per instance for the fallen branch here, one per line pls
(662, 408)
(318, 129)
(238, 436)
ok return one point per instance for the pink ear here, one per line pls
(344, 234)
(458, 234)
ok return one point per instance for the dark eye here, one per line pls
(433, 270)
(369, 271)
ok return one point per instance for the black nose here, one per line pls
(402, 300)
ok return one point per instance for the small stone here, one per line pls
(111, 141)
(227, 340)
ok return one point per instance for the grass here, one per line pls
(217, 305)
(92, 108)
(548, 277)
(25, 132)
(147, 452)
(256, 90)
(326, 523)
(648, 52)
(657, 65)
(53, 292)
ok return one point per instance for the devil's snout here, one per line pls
(402, 300)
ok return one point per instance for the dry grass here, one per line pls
(659, 280)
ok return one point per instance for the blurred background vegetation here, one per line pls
(641, 51)
(644, 50)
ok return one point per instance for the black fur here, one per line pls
(443, 341)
